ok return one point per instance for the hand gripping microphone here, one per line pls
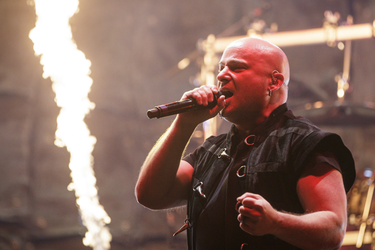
(178, 107)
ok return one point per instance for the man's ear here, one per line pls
(277, 80)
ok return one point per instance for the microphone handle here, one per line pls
(178, 107)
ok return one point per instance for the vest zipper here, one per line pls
(185, 226)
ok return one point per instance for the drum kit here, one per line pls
(360, 232)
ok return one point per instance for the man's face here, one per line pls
(243, 78)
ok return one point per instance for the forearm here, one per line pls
(318, 230)
(158, 174)
(164, 179)
(323, 228)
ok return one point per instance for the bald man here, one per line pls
(275, 181)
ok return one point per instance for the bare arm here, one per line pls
(323, 226)
(164, 179)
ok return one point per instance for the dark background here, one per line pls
(134, 47)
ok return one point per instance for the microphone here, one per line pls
(178, 107)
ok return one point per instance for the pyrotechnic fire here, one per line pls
(69, 72)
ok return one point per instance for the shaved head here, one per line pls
(272, 55)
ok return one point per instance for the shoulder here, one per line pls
(313, 139)
(214, 140)
(296, 128)
(211, 146)
(299, 122)
(212, 143)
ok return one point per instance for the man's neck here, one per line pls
(249, 127)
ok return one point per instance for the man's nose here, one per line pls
(223, 77)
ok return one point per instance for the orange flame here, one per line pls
(69, 71)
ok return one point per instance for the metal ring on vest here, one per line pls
(244, 246)
(250, 140)
(241, 171)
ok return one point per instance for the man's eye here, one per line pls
(237, 69)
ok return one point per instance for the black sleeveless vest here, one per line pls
(278, 153)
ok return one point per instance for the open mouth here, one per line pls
(226, 93)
